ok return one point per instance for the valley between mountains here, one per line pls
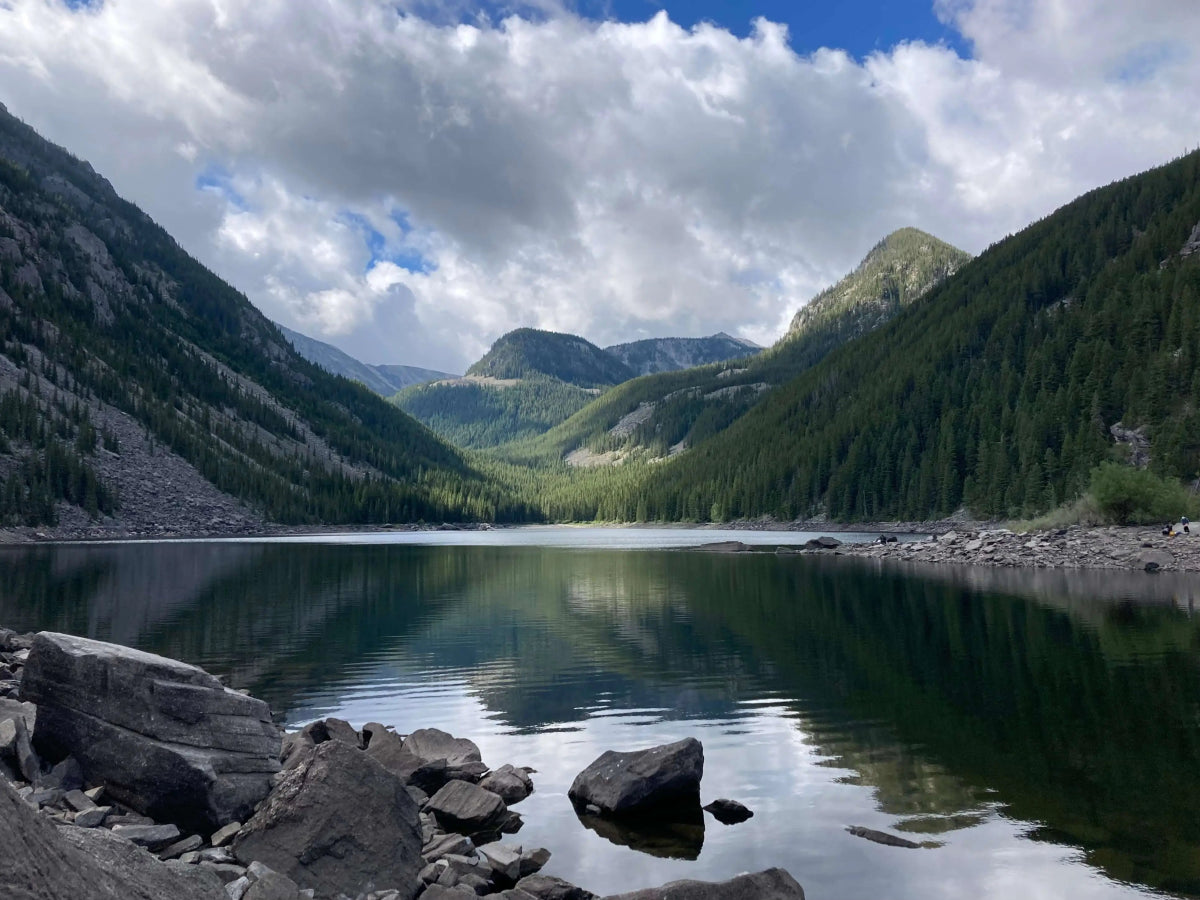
(1053, 378)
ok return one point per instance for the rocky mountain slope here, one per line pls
(384, 380)
(653, 355)
(139, 390)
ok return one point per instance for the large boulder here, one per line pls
(641, 780)
(167, 739)
(466, 808)
(433, 744)
(338, 822)
(770, 884)
(40, 862)
(390, 752)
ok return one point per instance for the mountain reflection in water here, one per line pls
(1041, 726)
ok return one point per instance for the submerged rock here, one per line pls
(642, 779)
(771, 884)
(166, 738)
(882, 837)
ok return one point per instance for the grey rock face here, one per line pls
(642, 779)
(337, 823)
(466, 808)
(40, 862)
(431, 743)
(167, 739)
(770, 884)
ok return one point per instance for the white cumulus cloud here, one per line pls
(411, 189)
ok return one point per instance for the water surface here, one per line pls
(1041, 731)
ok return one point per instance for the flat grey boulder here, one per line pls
(642, 779)
(167, 739)
(466, 808)
(432, 743)
(770, 884)
(339, 822)
(41, 862)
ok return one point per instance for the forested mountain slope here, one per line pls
(528, 352)
(666, 413)
(997, 391)
(127, 369)
(385, 380)
(652, 355)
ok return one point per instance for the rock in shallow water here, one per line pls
(166, 738)
(467, 808)
(729, 812)
(642, 779)
(771, 884)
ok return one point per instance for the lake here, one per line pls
(1039, 731)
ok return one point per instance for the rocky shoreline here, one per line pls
(128, 775)
(1078, 547)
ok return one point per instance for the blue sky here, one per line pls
(860, 27)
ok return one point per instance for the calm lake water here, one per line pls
(1041, 731)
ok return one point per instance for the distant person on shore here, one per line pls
(1173, 530)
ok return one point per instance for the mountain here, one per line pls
(666, 413)
(528, 352)
(999, 390)
(653, 355)
(479, 412)
(138, 387)
(384, 380)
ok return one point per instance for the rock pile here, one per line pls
(1077, 547)
(365, 814)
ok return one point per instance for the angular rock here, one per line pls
(547, 887)
(504, 859)
(390, 751)
(78, 801)
(468, 771)
(293, 747)
(237, 888)
(166, 738)
(771, 884)
(533, 859)
(152, 837)
(370, 730)
(467, 808)
(271, 885)
(337, 823)
(446, 845)
(66, 776)
(729, 812)
(15, 709)
(223, 836)
(432, 743)
(642, 779)
(40, 862)
(511, 784)
(92, 818)
(332, 730)
(177, 849)
(437, 892)
(882, 837)
(27, 760)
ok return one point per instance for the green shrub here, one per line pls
(1128, 496)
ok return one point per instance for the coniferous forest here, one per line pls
(992, 385)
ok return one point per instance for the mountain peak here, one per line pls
(895, 272)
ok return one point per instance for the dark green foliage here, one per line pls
(474, 414)
(1129, 496)
(995, 392)
(527, 353)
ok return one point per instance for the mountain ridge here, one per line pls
(384, 379)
